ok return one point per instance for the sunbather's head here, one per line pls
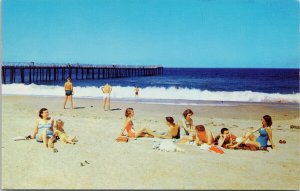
(170, 121)
(266, 121)
(200, 128)
(59, 124)
(188, 113)
(43, 113)
(129, 112)
(224, 131)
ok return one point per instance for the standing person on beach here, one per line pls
(43, 131)
(136, 89)
(106, 90)
(69, 92)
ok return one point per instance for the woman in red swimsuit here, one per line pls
(128, 125)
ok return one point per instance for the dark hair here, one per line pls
(268, 120)
(223, 129)
(128, 111)
(170, 120)
(41, 112)
(200, 128)
(187, 111)
(69, 78)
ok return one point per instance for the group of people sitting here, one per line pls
(47, 132)
(198, 134)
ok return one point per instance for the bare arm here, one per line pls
(124, 127)
(221, 140)
(184, 125)
(209, 137)
(253, 131)
(52, 124)
(269, 131)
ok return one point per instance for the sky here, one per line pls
(172, 33)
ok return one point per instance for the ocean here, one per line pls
(182, 85)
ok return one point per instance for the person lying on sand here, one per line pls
(225, 139)
(43, 131)
(261, 141)
(60, 132)
(203, 136)
(173, 130)
(128, 126)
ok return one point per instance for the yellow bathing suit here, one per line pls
(61, 134)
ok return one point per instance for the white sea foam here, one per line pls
(155, 93)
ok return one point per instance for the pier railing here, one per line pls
(29, 72)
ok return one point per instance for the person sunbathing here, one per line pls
(131, 132)
(173, 130)
(226, 139)
(43, 131)
(261, 141)
(187, 122)
(203, 136)
(60, 132)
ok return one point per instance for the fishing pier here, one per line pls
(22, 72)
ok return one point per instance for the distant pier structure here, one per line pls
(29, 72)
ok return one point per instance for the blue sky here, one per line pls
(173, 33)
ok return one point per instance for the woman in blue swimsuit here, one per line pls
(43, 131)
(265, 135)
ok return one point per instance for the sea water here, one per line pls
(182, 86)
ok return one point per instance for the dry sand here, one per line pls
(135, 165)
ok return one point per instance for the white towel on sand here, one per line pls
(166, 145)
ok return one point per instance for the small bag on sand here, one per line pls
(122, 139)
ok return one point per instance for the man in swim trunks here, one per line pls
(106, 89)
(136, 91)
(69, 92)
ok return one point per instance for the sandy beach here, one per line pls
(135, 165)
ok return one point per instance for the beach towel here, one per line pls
(216, 149)
(213, 148)
(122, 139)
(166, 145)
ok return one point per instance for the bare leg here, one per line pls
(104, 103)
(249, 142)
(66, 140)
(141, 131)
(66, 97)
(108, 103)
(71, 101)
(45, 140)
(50, 143)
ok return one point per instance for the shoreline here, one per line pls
(116, 165)
(181, 102)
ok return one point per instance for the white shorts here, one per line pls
(106, 95)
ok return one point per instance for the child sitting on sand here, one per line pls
(60, 132)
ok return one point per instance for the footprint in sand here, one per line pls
(236, 125)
